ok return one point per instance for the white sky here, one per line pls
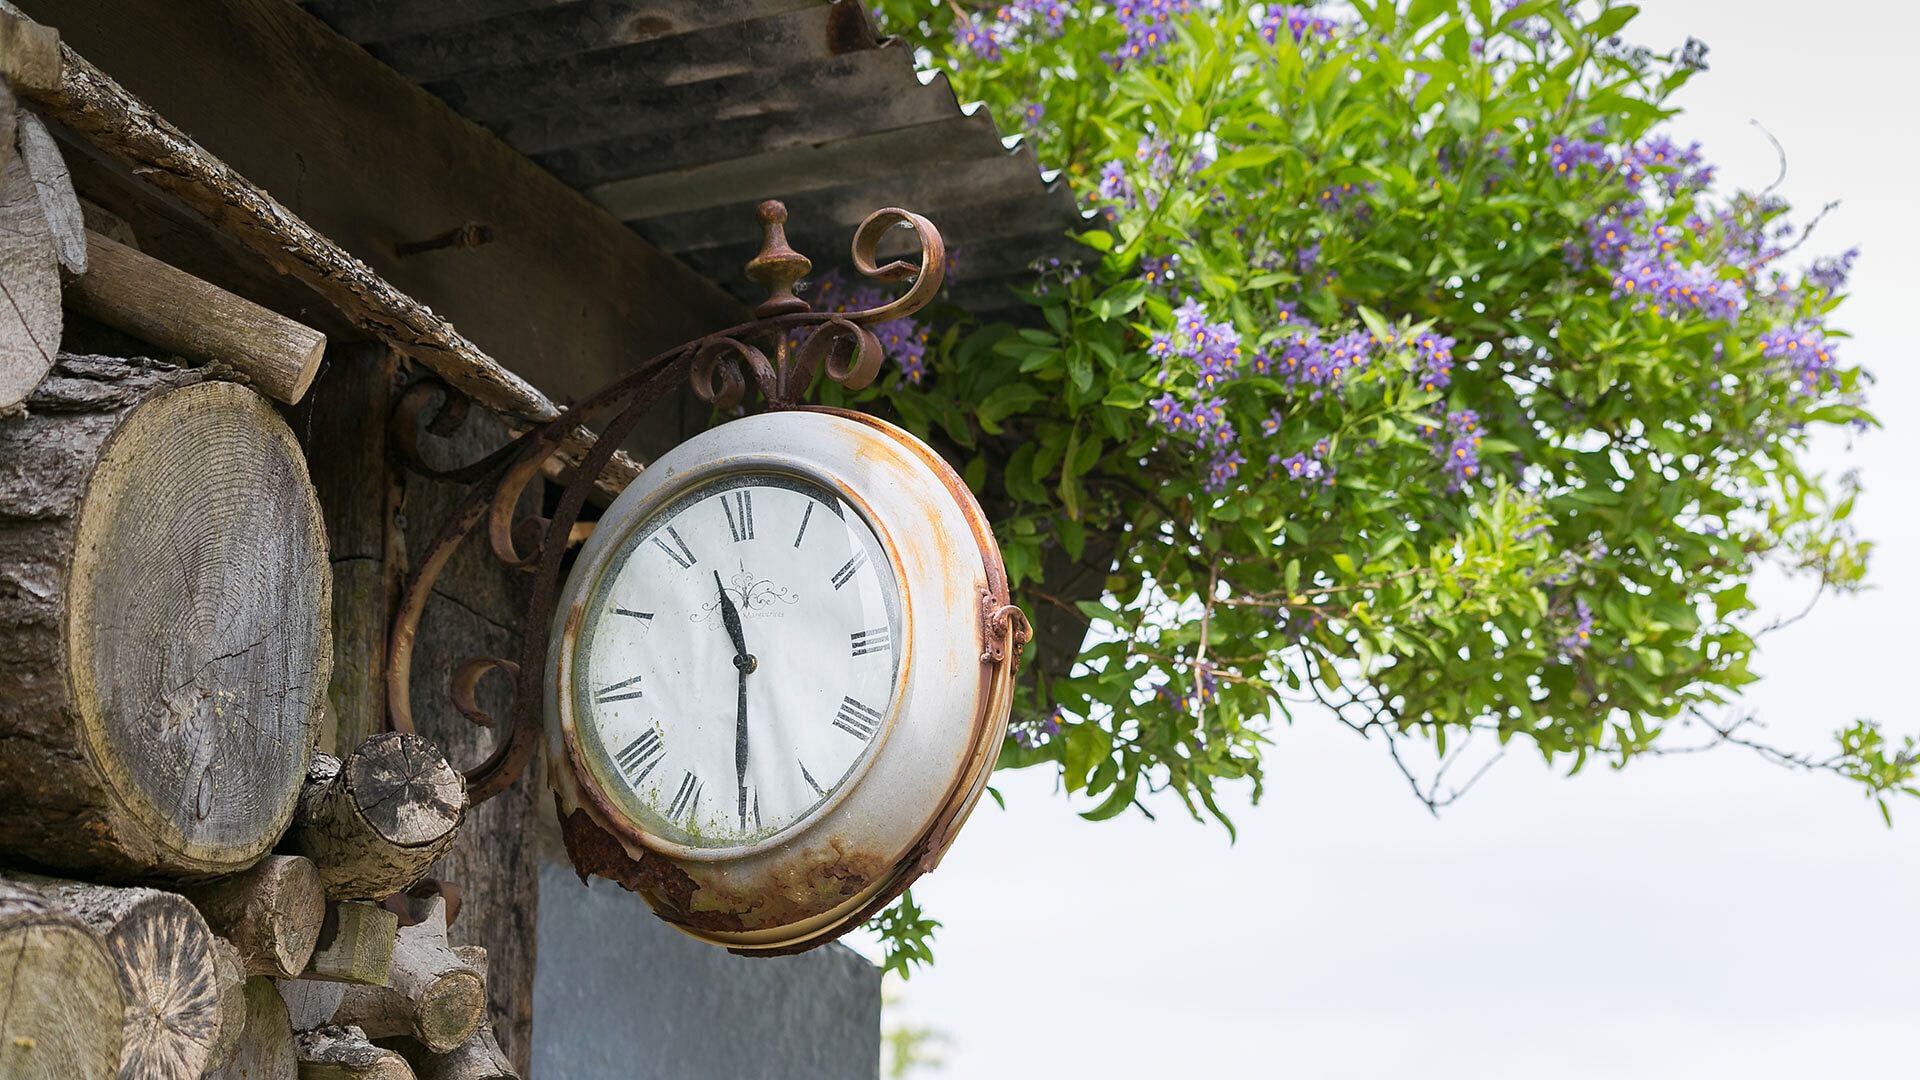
(1689, 917)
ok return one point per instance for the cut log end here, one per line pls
(271, 913)
(164, 960)
(60, 1001)
(175, 646)
(375, 824)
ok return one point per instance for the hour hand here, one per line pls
(731, 616)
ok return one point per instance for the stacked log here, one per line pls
(163, 959)
(165, 646)
(61, 1002)
(375, 823)
(164, 607)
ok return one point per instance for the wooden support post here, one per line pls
(142, 296)
(60, 1001)
(431, 995)
(343, 1053)
(375, 823)
(355, 945)
(163, 955)
(266, 1045)
(271, 913)
(163, 610)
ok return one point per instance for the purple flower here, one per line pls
(1805, 355)
(1567, 154)
(1114, 185)
(1296, 21)
(1302, 467)
(982, 41)
(1033, 114)
(1158, 270)
(1222, 469)
(1433, 360)
(1581, 635)
(1830, 274)
(1459, 448)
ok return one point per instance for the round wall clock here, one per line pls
(779, 676)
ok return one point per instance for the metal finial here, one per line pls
(778, 267)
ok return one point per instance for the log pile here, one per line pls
(187, 889)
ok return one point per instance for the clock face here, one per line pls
(738, 660)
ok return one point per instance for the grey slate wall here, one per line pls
(619, 995)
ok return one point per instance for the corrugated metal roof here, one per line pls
(679, 116)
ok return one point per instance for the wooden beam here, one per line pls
(364, 163)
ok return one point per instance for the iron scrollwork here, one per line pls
(783, 350)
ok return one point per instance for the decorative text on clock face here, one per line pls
(739, 659)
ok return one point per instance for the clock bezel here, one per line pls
(594, 762)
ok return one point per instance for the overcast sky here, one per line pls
(1690, 917)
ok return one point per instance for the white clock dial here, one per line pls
(707, 743)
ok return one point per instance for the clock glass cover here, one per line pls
(738, 660)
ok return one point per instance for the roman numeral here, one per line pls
(641, 755)
(848, 569)
(685, 799)
(804, 518)
(643, 616)
(856, 719)
(811, 782)
(879, 639)
(739, 508)
(684, 556)
(618, 691)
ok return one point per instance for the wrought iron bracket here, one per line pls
(784, 350)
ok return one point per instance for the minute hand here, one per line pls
(743, 664)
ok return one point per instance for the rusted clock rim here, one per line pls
(585, 581)
(987, 734)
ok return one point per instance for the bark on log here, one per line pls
(355, 945)
(479, 1058)
(230, 979)
(311, 1003)
(30, 317)
(432, 995)
(266, 1046)
(164, 643)
(60, 997)
(374, 824)
(343, 1053)
(142, 296)
(53, 186)
(271, 913)
(163, 956)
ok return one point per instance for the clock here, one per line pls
(779, 676)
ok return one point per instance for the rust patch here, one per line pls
(805, 888)
(594, 852)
